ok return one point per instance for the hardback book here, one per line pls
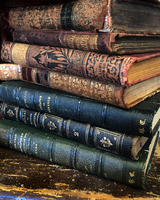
(143, 119)
(125, 145)
(89, 15)
(121, 96)
(120, 70)
(117, 43)
(41, 144)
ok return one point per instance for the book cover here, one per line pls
(142, 119)
(62, 151)
(120, 70)
(117, 43)
(115, 142)
(89, 15)
(125, 97)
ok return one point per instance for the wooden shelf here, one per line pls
(32, 178)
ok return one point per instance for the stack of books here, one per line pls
(83, 71)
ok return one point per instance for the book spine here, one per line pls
(100, 67)
(104, 139)
(69, 153)
(79, 15)
(73, 84)
(86, 41)
(137, 120)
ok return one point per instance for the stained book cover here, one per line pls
(120, 70)
(62, 151)
(88, 15)
(109, 43)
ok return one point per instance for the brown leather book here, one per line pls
(117, 43)
(121, 70)
(120, 96)
(89, 15)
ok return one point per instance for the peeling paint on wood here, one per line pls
(28, 177)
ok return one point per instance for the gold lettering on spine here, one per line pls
(93, 42)
(34, 119)
(85, 87)
(142, 122)
(15, 141)
(141, 130)
(19, 53)
(48, 104)
(25, 98)
(40, 102)
(131, 177)
(82, 42)
(69, 40)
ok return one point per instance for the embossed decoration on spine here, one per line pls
(6, 49)
(80, 132)
(77, 15)
(91, 65)
(86, 41)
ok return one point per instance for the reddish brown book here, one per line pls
(117, 43)
(121, 96)
(89, 15)
(121, 70)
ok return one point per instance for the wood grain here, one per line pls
(29, 177)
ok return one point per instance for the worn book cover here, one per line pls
(115, 142)
(41, 144)
(142, 119)
(89, 15)
(120, 70)
(117, 95)
(110, 43)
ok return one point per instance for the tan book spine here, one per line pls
(107, 93)
(70, 16)
(100, 67)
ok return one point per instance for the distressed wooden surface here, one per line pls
(31, 178)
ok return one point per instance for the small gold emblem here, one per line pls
(10, 113)
(106, 142)
(51, 126)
